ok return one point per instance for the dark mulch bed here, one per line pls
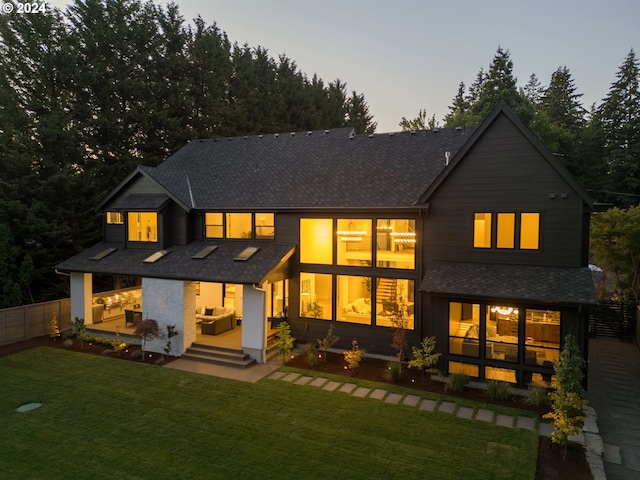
(551, 464)
(132, 353)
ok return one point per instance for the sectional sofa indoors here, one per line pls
(216, 320)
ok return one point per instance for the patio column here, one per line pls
(254, 323)
(81, 285)
(170, 302)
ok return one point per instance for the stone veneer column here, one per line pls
(254, 323)
(170, 302)
(81, 285)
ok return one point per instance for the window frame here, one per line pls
(495, 242)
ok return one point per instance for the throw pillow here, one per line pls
(208, 311)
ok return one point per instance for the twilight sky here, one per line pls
(407, 55)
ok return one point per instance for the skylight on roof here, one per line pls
(205, 252)
(155, 256)
(104, 253)
(246, 254)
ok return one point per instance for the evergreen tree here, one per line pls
(459, 109)
(499, 84)
(534, 90)
(421, 122)
(358, 115)
(620, 118)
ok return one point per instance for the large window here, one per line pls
(316, 240)
(464, 329)
(542, 329)
(354, 299)
(502, 325)
(354, 242)
(395, 298)
(214, 225)
(525, 227)
(396, 243)
(315, 295)
(142, 226)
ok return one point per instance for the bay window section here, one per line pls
(316, 240)
(396, 243)
(464, 329)
(214, 225)
(142, 226)
(542, 329)
(502, 325)
(354, 242)
(238, 225)
(353, 299)
(315, 295)
(395, 298)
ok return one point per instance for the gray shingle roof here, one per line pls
(561, 285)
(309, 169)
(219, 266)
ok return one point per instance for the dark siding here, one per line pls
(503, 172)
(176, 230)
(139, 185)
(114, 233)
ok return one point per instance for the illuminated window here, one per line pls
(542, 329)
(238, 225)
(502, 325)
(464, 369)
(315, 295)
(142, 226)
(506, 230)
(115, 218)
(214, 227)
(354, 242)
(529, 231)
(464, 329)
(482, 230)
(316, 240)
(265, 226)
(354, 299)
(396, 243)
(395, 297)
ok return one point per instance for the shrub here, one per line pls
(171, 332)
(538, 395)
(424, 359)
(284, 340)
(393, 370)
(54, 329)
(457, 381)
(353, 357)
(67, 342)
(498, 390)
(327, 342)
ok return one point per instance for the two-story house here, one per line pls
(477, 234)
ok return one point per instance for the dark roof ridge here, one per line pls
(344, 131)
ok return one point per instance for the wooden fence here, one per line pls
(29, 321)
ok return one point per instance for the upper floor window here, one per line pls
(512, 231)
(239, 225)
(396, 243)
(142, 226)
(316, 240)
(115, 218)
(354, 241)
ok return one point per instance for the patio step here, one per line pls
(272, 344)
(229, 357)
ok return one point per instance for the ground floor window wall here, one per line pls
(496, 341)
(357, 299)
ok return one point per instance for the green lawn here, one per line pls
(104, 418)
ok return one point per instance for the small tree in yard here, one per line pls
(284, 340)
(566, 400)
(147, 329)
(424, 359)
(327, 342)
(79, 329)
(399, 326)
(54, 329)
(171, 332)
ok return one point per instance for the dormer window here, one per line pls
(142, 226)
(115, 218)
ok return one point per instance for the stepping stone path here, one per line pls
(415, 401)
